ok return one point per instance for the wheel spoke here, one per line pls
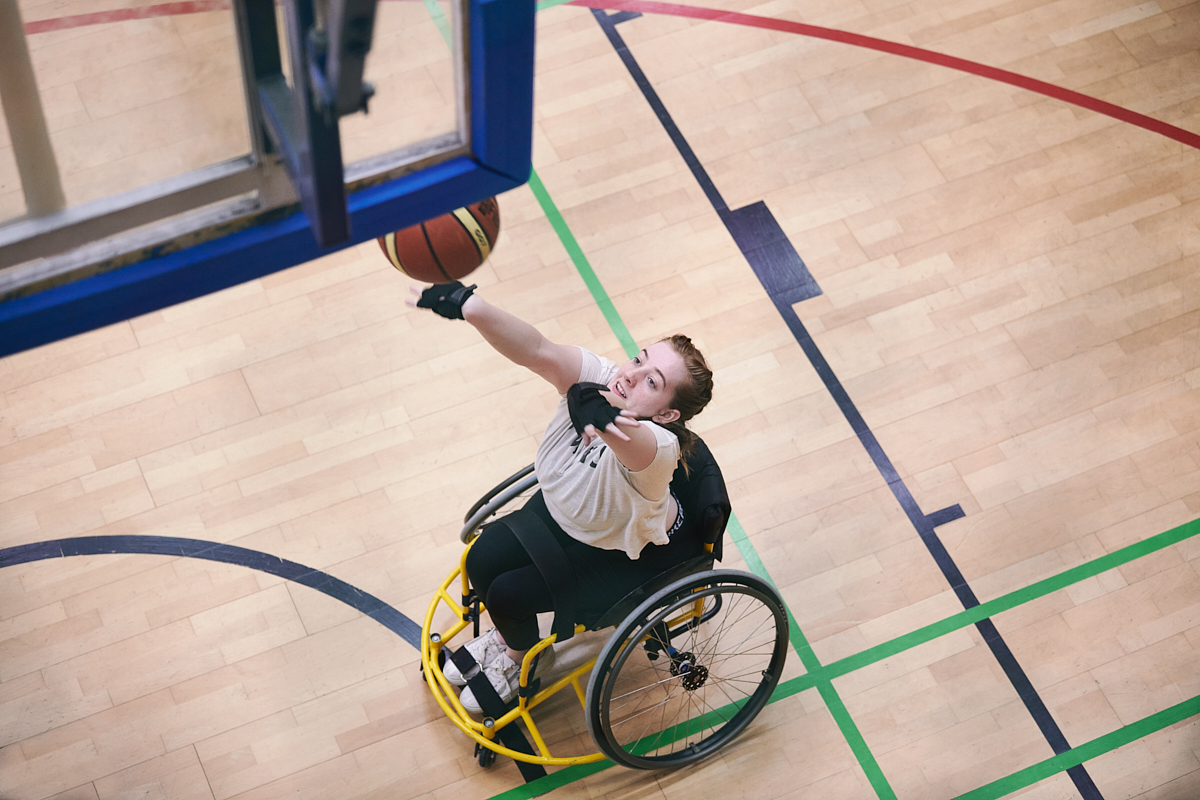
(705, 685)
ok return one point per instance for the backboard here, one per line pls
(142, 165)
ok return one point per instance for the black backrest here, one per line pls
(703, 496)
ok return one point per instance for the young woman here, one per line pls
(604, 468)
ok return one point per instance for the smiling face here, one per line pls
(646, 384)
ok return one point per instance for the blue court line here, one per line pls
(925, 529)
(787, 281)
(798, 641)
(764, 244)
(368, 604)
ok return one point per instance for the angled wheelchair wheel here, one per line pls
(518, 487)
(688, 670)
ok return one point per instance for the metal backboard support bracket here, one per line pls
(301, 120)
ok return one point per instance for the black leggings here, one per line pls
(514, 592)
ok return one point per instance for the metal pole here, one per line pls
(26, 121)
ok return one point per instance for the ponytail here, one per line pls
(690, 397)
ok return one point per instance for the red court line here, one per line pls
(124, 14)
(652, 7)
(907, 51)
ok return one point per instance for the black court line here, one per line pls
(338, 589)
(787, 281)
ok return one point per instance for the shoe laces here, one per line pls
(491, 648)
(504, 675)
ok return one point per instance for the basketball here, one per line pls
(448, 247)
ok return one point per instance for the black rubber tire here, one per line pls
(673, 710)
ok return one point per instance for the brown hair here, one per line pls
(690, 397)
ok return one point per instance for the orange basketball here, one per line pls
(448, 247)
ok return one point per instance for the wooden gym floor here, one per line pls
(1008, 330)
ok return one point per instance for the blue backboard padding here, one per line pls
(501, 114)
(165, 280)
(501, 72)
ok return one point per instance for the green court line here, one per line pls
(582, 265)
(833, 701)
(821, 676)
(574, 251)
(1007, 602)
(837, 708)
(617, 325)
(812, 665)
(440, 20)
(555, 780)
(799, 642)
(1085, 752)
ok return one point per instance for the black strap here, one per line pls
(548, 556)
(491, 704)
(513, 739)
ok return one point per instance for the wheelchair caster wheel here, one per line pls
(485, 756)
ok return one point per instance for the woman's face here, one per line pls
(646, 384)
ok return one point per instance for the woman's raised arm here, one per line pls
(523, 344)
(513, 338)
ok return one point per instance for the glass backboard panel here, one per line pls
(412, 68)
(132, 98)
(12, 199)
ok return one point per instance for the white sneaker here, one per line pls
(505, 676)
(485, 649)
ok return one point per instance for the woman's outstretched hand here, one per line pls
(624, 418)
(444, 299)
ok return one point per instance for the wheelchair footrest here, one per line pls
(489, 700)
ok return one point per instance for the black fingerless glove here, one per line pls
(587, 406)
(446, 299)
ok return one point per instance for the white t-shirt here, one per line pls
(591, 494)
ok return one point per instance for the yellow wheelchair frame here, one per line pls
(681, 606)
(484, 731)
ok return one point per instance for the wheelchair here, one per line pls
(693, 657)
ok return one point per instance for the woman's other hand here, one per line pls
(625, 418)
